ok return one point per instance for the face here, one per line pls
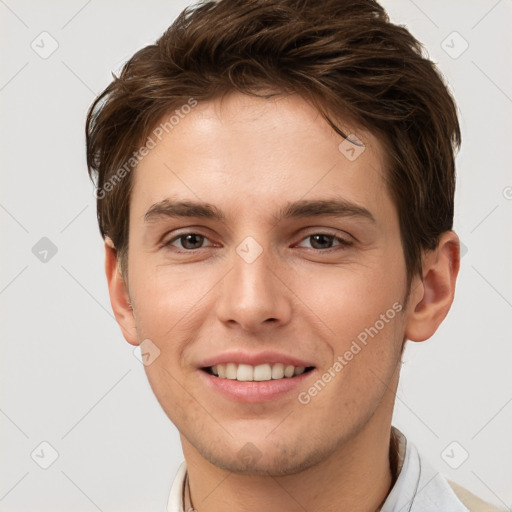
(290, 257)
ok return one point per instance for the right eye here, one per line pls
(189, 241)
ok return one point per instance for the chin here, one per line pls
(273, 460)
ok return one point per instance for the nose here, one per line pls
(253, 294)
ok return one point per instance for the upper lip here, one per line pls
(254, 359)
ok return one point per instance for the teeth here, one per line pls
(231, 372)
(277, 371)
(288, 371)
(262, 372)
(245, 372)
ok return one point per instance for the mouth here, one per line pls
(257, 377)
(259, 373)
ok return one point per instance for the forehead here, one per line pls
(255, 152)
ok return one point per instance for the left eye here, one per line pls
(323, 239)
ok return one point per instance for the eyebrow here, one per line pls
(298, 209)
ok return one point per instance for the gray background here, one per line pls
(69, 379)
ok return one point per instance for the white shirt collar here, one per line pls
(418, 488)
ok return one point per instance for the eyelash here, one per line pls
(343, 244)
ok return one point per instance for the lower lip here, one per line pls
(255, 392)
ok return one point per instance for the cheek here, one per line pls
(165, 298)
(347, 300)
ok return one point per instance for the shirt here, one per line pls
(418, 487)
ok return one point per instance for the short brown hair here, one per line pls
(344, 56)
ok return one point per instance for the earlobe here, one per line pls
(432, 296)
(119, 296)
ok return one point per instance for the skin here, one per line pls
(249, 157)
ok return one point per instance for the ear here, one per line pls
(119, 297)
(432, 296)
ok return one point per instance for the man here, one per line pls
(275, 183)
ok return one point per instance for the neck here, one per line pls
(356, 477)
